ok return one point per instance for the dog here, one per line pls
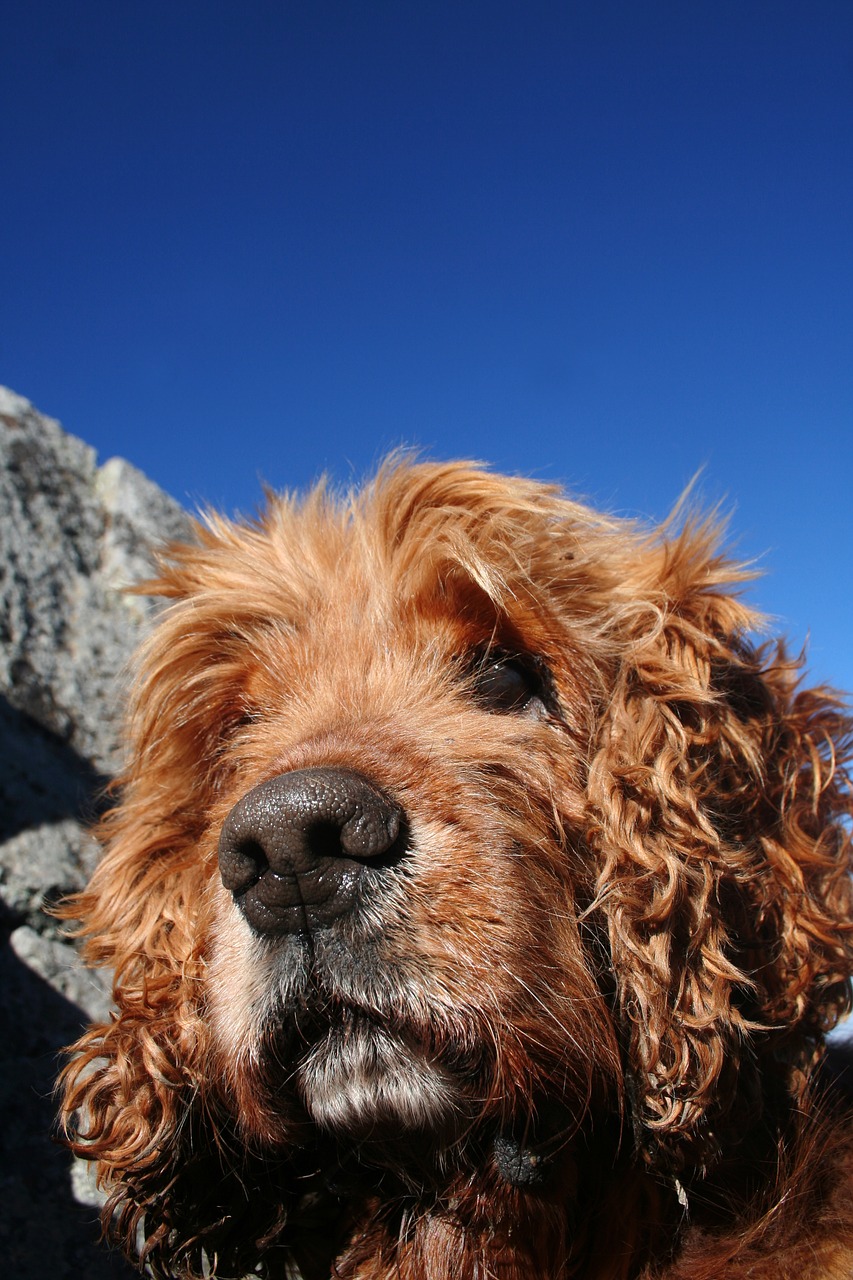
(478, 899)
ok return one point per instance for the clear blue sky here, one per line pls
(602, 241)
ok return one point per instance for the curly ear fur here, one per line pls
(137, 1095)
(719, 800)
(135, 1090)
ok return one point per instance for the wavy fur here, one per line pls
(578, 1031)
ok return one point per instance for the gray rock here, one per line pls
(72, 535)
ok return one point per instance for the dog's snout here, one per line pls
(293, 851)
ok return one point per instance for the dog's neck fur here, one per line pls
(583, 1210)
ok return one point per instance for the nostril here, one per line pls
(323, 840)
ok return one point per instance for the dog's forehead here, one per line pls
(435, 555)
(348, 588)
(434, 532)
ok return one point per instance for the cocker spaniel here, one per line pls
(478, 898)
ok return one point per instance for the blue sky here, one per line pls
(604, 242)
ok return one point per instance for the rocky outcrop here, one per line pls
(72, 535)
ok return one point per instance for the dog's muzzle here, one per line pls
(295, 851)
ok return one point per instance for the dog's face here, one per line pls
(457, 812)
(402, 674)
(367, 980)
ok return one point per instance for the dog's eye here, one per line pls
(505, 685)
(231, 724)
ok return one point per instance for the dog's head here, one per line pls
(459, 823)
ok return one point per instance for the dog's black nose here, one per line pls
(295, 849)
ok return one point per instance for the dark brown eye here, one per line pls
(505, 684)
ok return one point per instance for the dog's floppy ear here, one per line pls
(718, 801)
(135, 1098)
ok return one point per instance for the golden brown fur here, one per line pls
(575, 1030)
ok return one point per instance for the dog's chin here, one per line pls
(361, 1081)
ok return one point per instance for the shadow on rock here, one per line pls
(45, 1233)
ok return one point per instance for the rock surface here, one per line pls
(72, 534)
